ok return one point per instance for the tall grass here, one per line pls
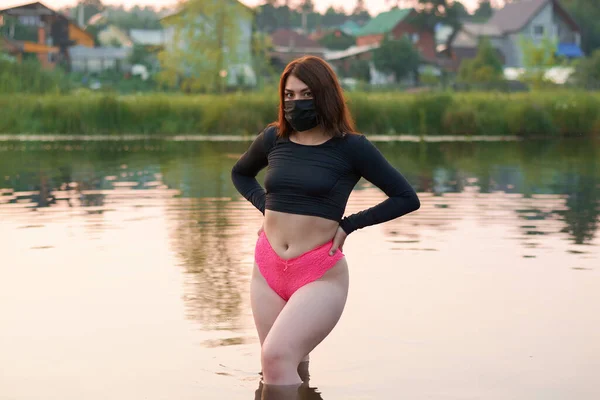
(526, 114)
(29, 77)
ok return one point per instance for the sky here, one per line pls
(375, 6)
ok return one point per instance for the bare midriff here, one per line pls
(292, 235)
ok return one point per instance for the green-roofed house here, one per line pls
(350, 27)
(397, 23)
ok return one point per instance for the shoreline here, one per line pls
(245, 138)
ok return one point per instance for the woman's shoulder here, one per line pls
(270, 136)
(353, 140)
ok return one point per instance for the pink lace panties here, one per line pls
(285, 276)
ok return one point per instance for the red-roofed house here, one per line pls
(397, 23)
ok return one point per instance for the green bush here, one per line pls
(530, 120)
(83, 112)
(461, 120)
(574, 115)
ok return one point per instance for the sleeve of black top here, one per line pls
(243, 173)
(402, 198)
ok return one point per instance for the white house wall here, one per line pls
(512, 50)
(544, 18)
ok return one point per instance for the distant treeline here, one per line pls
(552, 114)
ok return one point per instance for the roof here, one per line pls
(290, 38)
(465, 39)
(514, 16)
(38, 6)
(350, 27)
(384, 22)
(349, 52)
(111, 33)
(40, 9)
(148, 37)
(470, 33)
(485, 29)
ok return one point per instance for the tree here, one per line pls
(337, 40)
(587, 14)
(484, 10)
(397, 57)
(90, 8)
(261, 48)
(136, 18)
(307, 6)
(360, 13)
(333, 17)
(486, 67)
(588, 71)
(434, 12)
(139, 55)
(359, 7)
(206, 34)
(537, 58)
(361, 70)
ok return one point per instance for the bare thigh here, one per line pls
(311, 313)
(266, 304)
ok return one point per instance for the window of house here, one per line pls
(538, 30)
(29, 20)
(413, 37)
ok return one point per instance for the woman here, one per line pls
(314, 158)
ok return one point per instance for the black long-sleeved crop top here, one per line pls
(317, 180)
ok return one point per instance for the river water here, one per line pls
(124, 274)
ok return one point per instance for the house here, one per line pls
(54, 33)
(341, 61)
(465, 44)
(397, 23)
(20, 50)
(179, 26)
(531, 20)
(97, 59)
(289, 45)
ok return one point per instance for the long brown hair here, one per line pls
(334, 116)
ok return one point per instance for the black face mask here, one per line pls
(301, 114)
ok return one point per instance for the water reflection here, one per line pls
(207, 243)
(541, 189)
(304, 392)
(514, 205)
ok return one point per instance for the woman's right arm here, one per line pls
(243, 173)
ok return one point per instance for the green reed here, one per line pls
(560, 113)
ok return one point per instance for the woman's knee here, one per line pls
(277, 359)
